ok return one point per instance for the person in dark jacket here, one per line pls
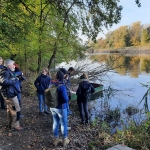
(18, 73)
(59, 113)
(1, 98)
(83, 93)
(10, 95)
(41, 83)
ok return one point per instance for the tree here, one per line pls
(135, 33)
(145, 37)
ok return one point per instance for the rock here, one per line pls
(120, 147)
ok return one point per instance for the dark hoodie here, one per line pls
(84, 91)
(42, 82)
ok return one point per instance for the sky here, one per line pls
(131, 13)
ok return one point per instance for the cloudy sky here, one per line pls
(132, 13)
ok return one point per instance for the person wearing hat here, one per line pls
(83, 93)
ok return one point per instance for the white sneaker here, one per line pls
(68, 128)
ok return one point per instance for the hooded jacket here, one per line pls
(8, 79)
(84, 91)
(41, 83)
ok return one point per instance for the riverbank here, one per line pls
(136, 50)
(37, 133)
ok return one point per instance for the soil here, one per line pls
(37, 133)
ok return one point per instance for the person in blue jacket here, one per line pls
(60, 116)
(84, 91)
(18, 73)
(42, 82)
(10, 94)
(1, 98)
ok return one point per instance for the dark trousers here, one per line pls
(83, 109)
(2, 102)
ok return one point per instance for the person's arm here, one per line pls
(7, 81)
(78, 90)
(92, 89)
(64, 96)
(36, 82)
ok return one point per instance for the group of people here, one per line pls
(60, 113)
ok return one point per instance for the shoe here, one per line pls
(21, 116)
(47, 113)
(82, 122)
(56, 141)
(41, 113)
(18, 128)
(87, 122)
(68, 128)
(65, 141)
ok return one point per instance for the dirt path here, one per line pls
(37, 133)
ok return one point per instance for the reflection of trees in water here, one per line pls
(132, 65)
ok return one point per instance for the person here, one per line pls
(1, 98)
(41, 83)
(67, 75)
(18, 73)
(59, 113)
(84, 90)
(9, 92)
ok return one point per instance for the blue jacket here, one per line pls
(1, 66)
(62, 95)
(42, 82)
(84, 91)
(9, 80)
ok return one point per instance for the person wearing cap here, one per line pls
(83, 93)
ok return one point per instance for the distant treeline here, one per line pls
(125, 36)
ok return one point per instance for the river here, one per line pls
(126, 80)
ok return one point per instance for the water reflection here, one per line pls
(130, 72)
(132, 65)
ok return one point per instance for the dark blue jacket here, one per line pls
(9, 80)
(1, 66)
(84, 91)
(62, 95)
(42, 82)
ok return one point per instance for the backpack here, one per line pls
(51, 95)
(1, 77)
(86, 93)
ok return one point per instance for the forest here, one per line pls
(135, 34)
(41, 33)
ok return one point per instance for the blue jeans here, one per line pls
(83, 109)
(41, 98)
(59, 118)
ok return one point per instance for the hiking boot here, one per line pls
(47, 113)
(56, 141)
(65, 141)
